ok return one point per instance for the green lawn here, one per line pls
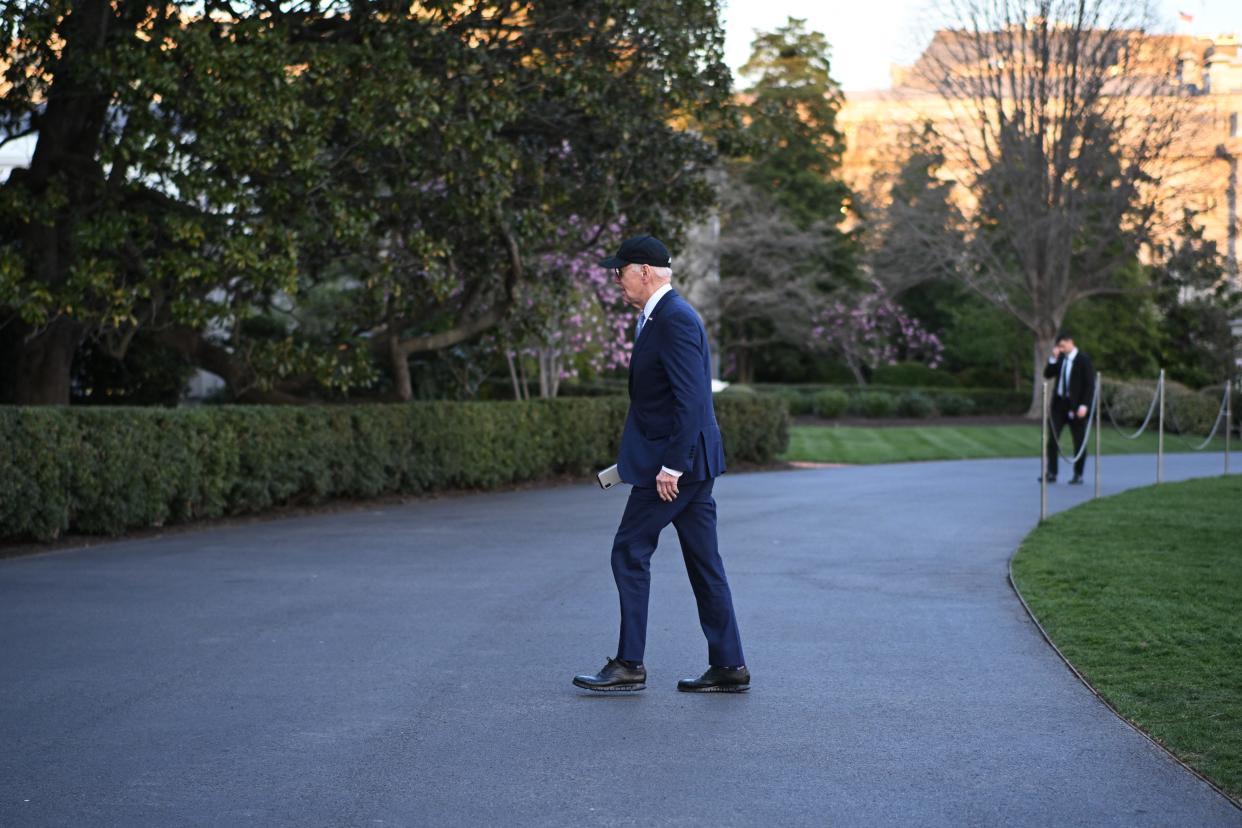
(896, 444)
(1142, 593)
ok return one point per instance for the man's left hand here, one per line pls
(1082, 411)
(666, 486)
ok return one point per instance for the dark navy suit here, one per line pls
(671, 422)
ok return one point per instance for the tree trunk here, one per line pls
(517, 389)
(522, 376)
(556, 373)
(745, 367)
(544, 358)
(44, 364)
(65, 154)
(400, 363)
(1043, 347)
(856, 369)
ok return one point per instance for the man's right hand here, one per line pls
(666, 486)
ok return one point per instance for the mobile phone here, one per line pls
(609, 477)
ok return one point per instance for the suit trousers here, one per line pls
(693, 515)
(1058, 416)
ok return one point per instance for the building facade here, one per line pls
(1206, 159)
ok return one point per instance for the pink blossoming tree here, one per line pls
(868, 329)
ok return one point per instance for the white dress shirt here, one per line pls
(649, 309)
(1066, 367)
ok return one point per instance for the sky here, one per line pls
(867, 35)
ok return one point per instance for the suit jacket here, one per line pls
(1081, 380)
(671, 421)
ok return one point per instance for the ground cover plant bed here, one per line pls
(1140, 592)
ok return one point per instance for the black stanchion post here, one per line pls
(1043, 452)
(1228, 419)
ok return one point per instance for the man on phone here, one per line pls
(1073, 390)
(671, 453)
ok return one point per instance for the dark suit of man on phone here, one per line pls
(1073, 388)
(671, 452)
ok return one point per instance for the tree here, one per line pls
(917, 228)
(544, 116)
(1197, 300)
(783, 247)
(142, 196)
(1063, 121)
(868, 329)
(772, 278)
(200, 167)
(572, 318)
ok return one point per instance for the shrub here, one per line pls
(1128, 402)
(104, 470)
(1217, 392)
(915, 404)
(799, 404)
(954, 405)
(755, 428)
(872, 404)
(976, 377)
(990, 401)
(1191, 413)
(830, 404)
(912, 375)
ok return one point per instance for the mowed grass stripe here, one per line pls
(895, 444)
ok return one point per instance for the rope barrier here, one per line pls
(1095, 420)
(1220, 415)
(1151, 409)
(1086, 435)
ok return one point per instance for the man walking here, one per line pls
(1073, 391)
(671, 453)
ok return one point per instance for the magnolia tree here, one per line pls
(870, 329)
(571, 319)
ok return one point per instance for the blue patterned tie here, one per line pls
(642, 320)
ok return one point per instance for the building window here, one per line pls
(1233, 125)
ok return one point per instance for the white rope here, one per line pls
(1151, 409)
(1220, 415)
(1086, 435)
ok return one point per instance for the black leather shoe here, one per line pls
(614, 676)
(1052, 478)
(1076, 480)
(718, 680)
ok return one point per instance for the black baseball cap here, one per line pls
(646, 250)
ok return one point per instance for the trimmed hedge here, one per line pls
(828, 404)
(949, 402)
(1192, 413)
(106, 470)
(915, 404)
(912, 375)
(954, 405)
(872, 404)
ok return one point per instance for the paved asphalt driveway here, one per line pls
(411, 665)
